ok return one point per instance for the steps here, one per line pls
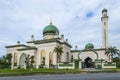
(89, 69)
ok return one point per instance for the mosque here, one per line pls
(43, 50)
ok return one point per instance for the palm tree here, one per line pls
(112, 51)
(59, 51)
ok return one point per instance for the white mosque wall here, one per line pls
(47, 47)
(66, 50)
(86, 54)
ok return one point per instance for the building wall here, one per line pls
(49, 48)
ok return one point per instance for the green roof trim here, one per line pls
(43, 40)
(88, 50)
(67, 44)
(28, 48)
(75, 50)
(49, 41)
(19, 45)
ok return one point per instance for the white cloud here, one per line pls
(22, 18)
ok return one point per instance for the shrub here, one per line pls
(118, 64)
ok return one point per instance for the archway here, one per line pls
(89, 50)
(89, 63)
(22, 60)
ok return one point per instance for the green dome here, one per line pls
(104, 10)
(50, 29)
(89, 46)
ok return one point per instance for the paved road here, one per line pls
(97, 76)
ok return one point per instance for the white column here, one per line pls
(47, 60)
(54, 58)
(37, 57)
(12, 63)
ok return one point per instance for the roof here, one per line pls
(49, 41)
(28, 48)
(18, 45)
(85, 50)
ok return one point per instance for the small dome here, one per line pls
(50, 29)
(89, 46)
(104, 10)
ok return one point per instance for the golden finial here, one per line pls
(50, 21)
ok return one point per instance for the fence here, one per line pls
(66, 66)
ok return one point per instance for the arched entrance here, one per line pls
(89, 63)
(22, 60)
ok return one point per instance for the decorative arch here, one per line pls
(22, 60)
(90, 50)
(88, 62)
(43, 57)
(50, 58)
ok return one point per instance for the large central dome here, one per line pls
(50, 29)
(50, 32)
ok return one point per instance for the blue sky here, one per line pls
(78, 20)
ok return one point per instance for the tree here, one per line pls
(29, 61)
(116, 59)
(59, 51)
(112, 51)
(8, 58)
(5, 61)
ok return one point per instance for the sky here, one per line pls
(78, 20)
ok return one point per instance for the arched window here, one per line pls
(104, 23)
(43, 57)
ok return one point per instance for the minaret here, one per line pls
(104, 20)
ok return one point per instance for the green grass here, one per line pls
(21, 72)
(5, 72)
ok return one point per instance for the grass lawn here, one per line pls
(21, 72)
(5, 72)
